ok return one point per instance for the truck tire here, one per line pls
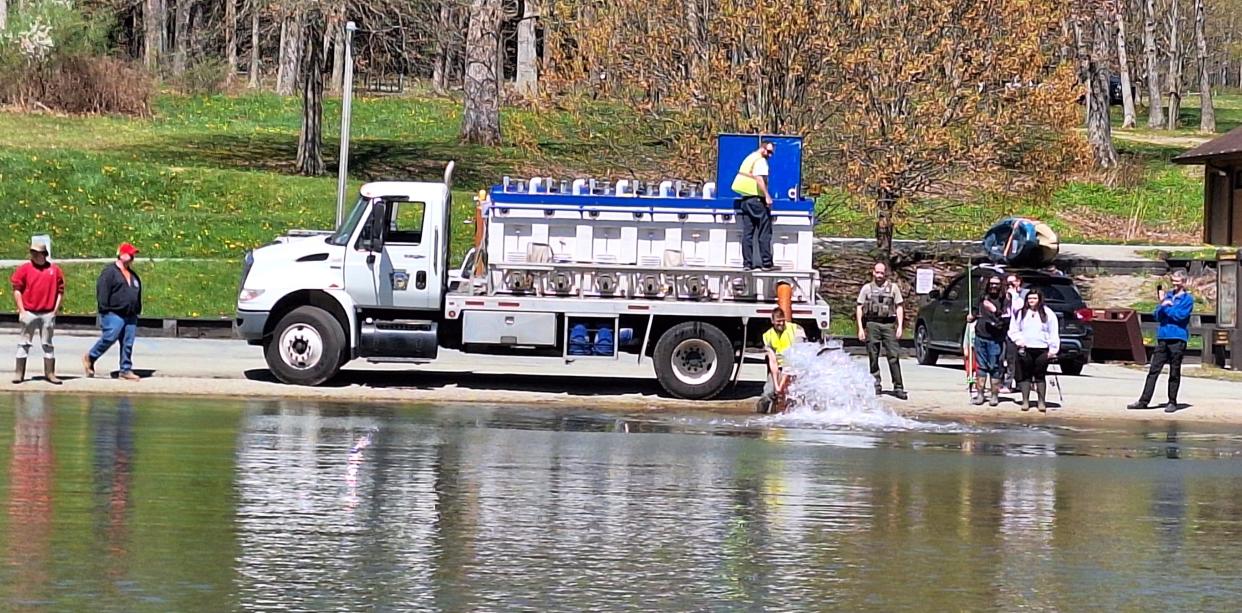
(694, 360)
(306, 347)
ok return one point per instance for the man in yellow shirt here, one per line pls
(755, 208)
(776, 342)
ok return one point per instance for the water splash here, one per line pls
(832, 390)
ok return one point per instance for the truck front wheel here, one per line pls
(305, 347)
(693, 360)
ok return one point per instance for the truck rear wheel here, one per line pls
(693, 360)
(306, 347)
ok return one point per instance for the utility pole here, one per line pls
(347, 99)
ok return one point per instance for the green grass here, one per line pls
(1207, 254)
(1226, 103)
(211, 176)
(206, 289)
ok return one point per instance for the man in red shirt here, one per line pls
(38, 289)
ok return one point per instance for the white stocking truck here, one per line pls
(573, 271)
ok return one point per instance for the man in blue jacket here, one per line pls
(1173, 317)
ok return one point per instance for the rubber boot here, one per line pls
(1025, 388)
(49, 371)
(978, 396)
(1041, 391)
(995, 399)
(19, 371)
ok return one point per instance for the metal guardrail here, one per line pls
(147, 326)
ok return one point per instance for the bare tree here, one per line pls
(440, 63)
(1175, 67)
(1123, 62)
(527, 76)
(336, 33)
(480, 122)
(1207, 113)
(230, 40)
(153, 20)
(181, 36)
(290, 51)
(254, 45)
(310, 138)
(1091, 27)
(1155, 113)
(4, 14)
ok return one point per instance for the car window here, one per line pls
(955, 290)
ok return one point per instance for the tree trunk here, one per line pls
(230, 40)
(1207, 113)
(254, 47)
(1155, 114)
(440, 63)
(1175, 68)
(885, 208)
(1099, 128)
(310, 138)
(527, 76)
(290, 53)
(1123, 62)
(153, 20)
(481, 116)
(338, 56)
(181, 36)
(4, 14)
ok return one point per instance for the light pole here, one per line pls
(347, 99)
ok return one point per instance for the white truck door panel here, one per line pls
(362, 271)
(408, 272)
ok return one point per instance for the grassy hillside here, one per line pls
(210, 176)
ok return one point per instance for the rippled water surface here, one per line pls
(169, 505)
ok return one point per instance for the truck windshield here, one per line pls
(342, 234)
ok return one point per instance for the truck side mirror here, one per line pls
(374, 240)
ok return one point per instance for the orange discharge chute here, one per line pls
(784, 298)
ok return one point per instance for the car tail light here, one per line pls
(1084, 314)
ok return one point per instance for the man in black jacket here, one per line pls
(119, 295)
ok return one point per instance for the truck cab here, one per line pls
(383, 273)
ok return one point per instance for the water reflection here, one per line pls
(120, 505)
(31, 472)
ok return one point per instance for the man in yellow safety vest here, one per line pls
(755, 207)
(776, 342)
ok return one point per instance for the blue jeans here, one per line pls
(114, 328)
(988, 354)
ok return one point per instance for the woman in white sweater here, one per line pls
(1035, 330)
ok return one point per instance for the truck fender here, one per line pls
(335, 301)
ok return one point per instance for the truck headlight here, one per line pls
(246, 295)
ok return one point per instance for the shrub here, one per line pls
(205, 77)
(90, 85)
(52, 56)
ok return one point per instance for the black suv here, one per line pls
(942, 321)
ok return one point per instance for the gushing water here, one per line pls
(830, 389)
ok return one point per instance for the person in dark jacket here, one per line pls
(119, 296)
(991, 334)
(1173, 316)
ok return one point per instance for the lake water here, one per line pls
(177, 505)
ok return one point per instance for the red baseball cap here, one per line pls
(127, 249)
